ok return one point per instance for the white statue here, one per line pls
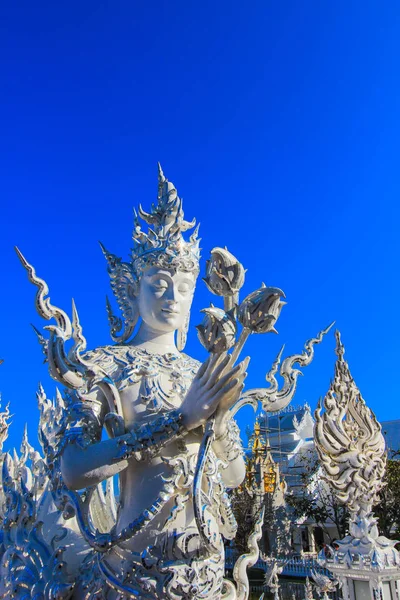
(271, 578)
(308, 589)
(324, 584)
(172, 436)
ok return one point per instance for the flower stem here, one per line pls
(240, 343)
(230, 302)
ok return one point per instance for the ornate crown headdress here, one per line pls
(163, 246)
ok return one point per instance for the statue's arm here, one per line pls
(85, 467)
(228, 447)
(87, 460)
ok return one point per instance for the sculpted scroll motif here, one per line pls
(349, 439)
(146, 412)
(351, 449)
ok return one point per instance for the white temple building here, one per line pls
(289, 438)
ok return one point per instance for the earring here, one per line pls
(182, 334)
(121, 328)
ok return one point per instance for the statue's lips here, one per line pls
(170, 312)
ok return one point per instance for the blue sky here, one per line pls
(277, 121)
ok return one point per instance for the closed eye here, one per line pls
(184, 289)
(160, 284)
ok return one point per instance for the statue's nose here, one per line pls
(171, 294)
(172, 305)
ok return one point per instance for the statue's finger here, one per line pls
(219, 368)
(203, 367)
(230, 399)
(238, 369)
(228, 365)
(213, 361)
(245, 363)
(226, 391)
(222, 381)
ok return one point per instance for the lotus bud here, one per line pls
(260, 310)
(224, 273)
(217, 332)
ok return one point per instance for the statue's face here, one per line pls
(164, 298)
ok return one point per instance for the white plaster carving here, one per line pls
(308, 589)
(324, 584)
(271, 578)
(172, 437)
(351, 449)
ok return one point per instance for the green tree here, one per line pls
(244, 509)
(387, 509)
(313, 499)
(276, 527)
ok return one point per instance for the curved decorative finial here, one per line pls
(43, 305)
(123, 285)
(351, 447)
(249, 559)
(70, 369)
(4, 425)
(42, 341)
(274, 399)
(79, 339)
(339, 350)
(163, 244)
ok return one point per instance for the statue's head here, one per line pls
(164, 297)
(159, 281)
